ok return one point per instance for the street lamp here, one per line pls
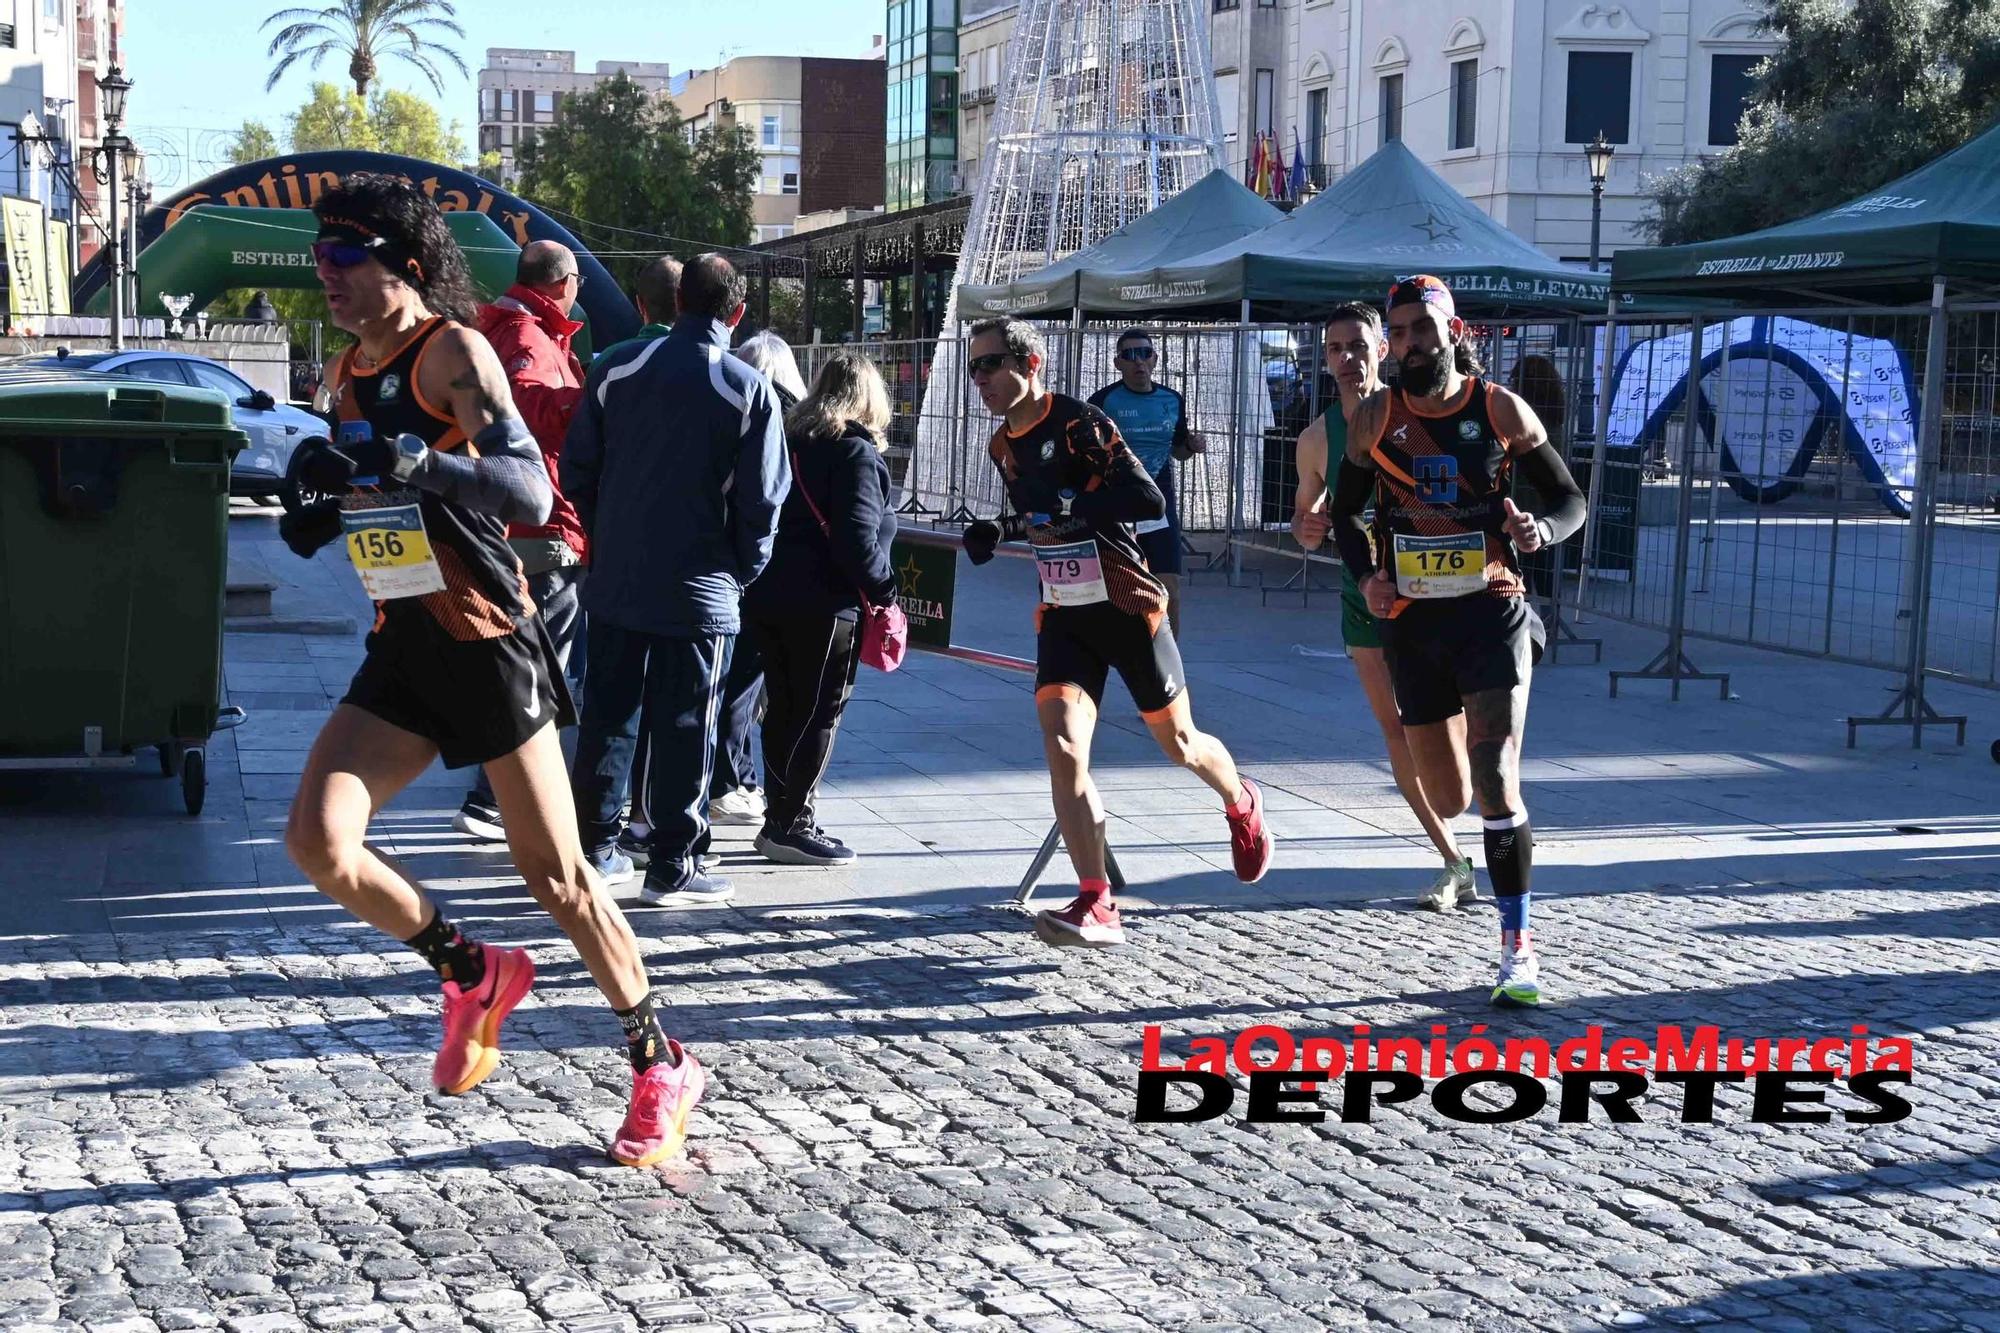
(1598, 156)
(105, 160)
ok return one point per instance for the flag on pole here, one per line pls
(1298, 166)
(1256, 171)
(1263, 167)
(1281, 177)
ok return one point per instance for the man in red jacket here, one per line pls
(530, 329)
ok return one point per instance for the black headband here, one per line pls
(393, 255)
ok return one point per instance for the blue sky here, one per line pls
(194, 76)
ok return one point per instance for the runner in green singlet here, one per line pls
(1354, 351)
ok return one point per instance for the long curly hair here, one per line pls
(426, 256)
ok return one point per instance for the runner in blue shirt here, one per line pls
(1153, 420)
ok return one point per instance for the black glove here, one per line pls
(980, 539)
(311, 528)
(333, 469)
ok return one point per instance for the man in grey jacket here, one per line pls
(676, 464)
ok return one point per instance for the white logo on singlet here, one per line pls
(533, 708)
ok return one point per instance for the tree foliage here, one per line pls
(622, 166)
(253, 143)
(1858, 95)
(363, 31)
(391, 121)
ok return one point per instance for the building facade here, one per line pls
(817, 126)
(985, 29)
(52, 54)
(922, 135)
(1498, 96)
(520, 88)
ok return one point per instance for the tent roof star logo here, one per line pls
(908, 574)
(1435, 228)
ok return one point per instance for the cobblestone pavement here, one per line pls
(923, 1120)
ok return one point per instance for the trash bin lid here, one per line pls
(37, 401)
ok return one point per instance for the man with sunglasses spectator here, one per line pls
(1076, 491)
(1153, 420)
(529, 329)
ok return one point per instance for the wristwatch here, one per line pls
(409, 453)
(1547, 531)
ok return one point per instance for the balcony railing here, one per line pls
(976, 97)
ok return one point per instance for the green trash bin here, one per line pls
(114, 511)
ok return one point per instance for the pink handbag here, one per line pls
(885, 631)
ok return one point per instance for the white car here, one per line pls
(275, 429)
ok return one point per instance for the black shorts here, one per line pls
(1441, 651)
(1162, 546)
(475, 701)
(1079, 646)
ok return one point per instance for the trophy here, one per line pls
(176, 306)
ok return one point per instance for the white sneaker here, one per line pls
(743, 805)
(1520, 983)
(1454, 885)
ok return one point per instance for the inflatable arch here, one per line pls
(294, 181)
(1789, 382)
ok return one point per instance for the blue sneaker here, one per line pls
(612, 866)
(700, 889)
(803, 846)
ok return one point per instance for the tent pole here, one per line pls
(1597, 450)
(1909, 706)
(1715, 482)
(1236, 442)
(1672, 664)
(1076, 351)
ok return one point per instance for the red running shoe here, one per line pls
(1250, 843)
(1091, 922)
(662, 1100)
(471, 1046)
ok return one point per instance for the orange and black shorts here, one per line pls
(1080, 646)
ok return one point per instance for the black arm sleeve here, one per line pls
(508, 480)
(1353, 488)
(1544, 469)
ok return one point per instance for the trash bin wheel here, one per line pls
(194, 779)
(166, 752)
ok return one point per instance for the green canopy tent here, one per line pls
(1930, 236)
(1942, 221)
(1214, 210)
(1388, 218)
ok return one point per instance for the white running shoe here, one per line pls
(1520, 983)
(1454, 885)
(742, 805)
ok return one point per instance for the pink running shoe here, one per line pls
(1091, 922)
(1250, 843)
(471, 1046)
(662, 1100)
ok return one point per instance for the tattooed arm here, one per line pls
(503, 473)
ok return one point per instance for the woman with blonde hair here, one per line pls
(831, 554)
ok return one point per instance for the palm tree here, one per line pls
(362, 30)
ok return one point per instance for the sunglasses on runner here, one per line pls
(1136, 354)
(986, 365)
(344, 254)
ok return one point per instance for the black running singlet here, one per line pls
(485, 595)
(1440, 476)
